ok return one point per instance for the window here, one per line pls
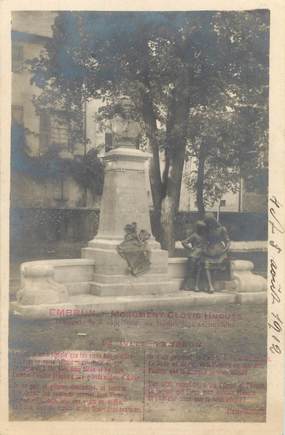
(17, 58)
(54, 130)
(59, 131)
(222, 203)
(17, 114)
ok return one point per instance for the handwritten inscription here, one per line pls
(274, 221)
(275, 323)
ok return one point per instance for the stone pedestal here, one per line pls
(244, 278)
(124, 201)
(40, 287)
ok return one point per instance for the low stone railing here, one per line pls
(51, 283)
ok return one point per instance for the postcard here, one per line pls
(142, 217)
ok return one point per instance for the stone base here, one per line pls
(133, 287)
(59, 288)
(244, 278)
(74, 273)
(40, 287)
(108, 262)
(89, 304)
(178, 284)
(112, 277)
(253, 298)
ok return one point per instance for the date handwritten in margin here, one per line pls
(275, 322)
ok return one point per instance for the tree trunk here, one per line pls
(166, 192)
(154, 164)
(176, 135)
(155, 185)
(167, 239)
(170, 202)
(200, 182)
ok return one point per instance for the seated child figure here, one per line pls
(196, 245)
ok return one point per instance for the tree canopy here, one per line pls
(176, 67)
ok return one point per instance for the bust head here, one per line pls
(125, 128)
(126, 107)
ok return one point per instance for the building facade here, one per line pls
(44, 130)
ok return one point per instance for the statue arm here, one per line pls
(189, 242)
(225, 238)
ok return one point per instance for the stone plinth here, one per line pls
(124, 198)
(244, 278)
(75, 274)
(124, 201)
(40, 287)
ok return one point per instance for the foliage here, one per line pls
(87, 170)
(233, 145)
(171, 64)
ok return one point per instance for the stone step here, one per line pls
(130, 279)
(218, 285)
(133, 288)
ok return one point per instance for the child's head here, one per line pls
(201, 228)
(144, 235)
(131, 228)
(211, 221)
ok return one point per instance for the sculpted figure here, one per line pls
(135, 250)
(218, 244)
(195, 246)
(207, 247)
(124, 128)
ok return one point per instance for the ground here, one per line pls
(203, 364)
(198, 364)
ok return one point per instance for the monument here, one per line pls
(124, 201)
(123, 267)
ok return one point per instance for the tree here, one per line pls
(168, 63)
(225, 146)
(88, 172)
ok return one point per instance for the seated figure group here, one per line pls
(206, 247)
